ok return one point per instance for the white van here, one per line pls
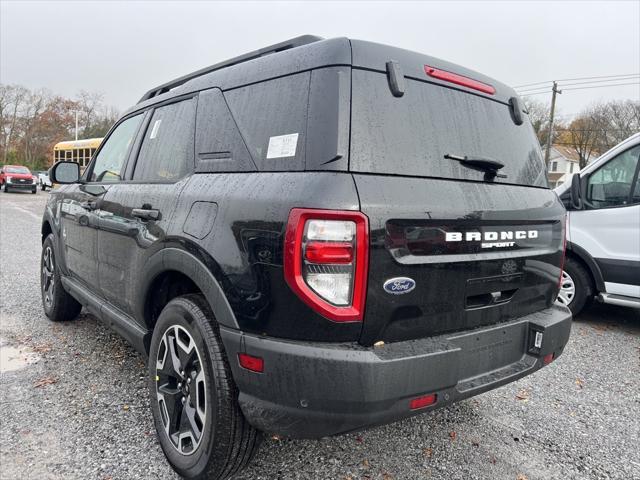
(603, 230)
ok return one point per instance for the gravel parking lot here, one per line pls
(75, 405)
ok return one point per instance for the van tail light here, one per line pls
(459, 79)
(565, 225)
(326, 258)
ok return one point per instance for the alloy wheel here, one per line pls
(48, 278)
(181, 389)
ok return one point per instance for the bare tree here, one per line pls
(601, 126)
(90, 106)
(622, 120)
(539, 115)
(12, 98)
(583, 134)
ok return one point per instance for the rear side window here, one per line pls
(166, 154)
(272, 118)
(412, 134)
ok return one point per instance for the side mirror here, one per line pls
(576, 201)
(65, 172)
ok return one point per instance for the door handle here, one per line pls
(90, 205)
(146, 213)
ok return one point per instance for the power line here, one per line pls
(526, 94)
(591, 82)
(632, 77)
(577, 78)
(602, 86)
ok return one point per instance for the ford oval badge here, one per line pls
(399, 285)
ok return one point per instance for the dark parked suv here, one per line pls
(310, 239)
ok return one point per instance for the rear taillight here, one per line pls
(326, 260)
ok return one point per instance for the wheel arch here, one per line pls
(46, 230)
(579, 253)
(190, 272)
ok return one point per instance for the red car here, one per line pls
(16, 177)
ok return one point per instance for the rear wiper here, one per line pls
(487, 165)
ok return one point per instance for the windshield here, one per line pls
(418, 133)
(22, 170)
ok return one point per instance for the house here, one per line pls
(563, 162)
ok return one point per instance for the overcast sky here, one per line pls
(124, 48)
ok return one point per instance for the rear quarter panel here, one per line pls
(245, 245)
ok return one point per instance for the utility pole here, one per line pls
(77, 118)
(554, 91)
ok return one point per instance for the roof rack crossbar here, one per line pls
(278, 47)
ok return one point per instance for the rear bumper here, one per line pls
(311, 390)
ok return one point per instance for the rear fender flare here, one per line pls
(175, 259)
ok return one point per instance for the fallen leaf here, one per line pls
(42, 348)
(387, 476)
(359, 439)
(125, 407)
(365, 463)
(379, 343)
(277, 438)
(453, 435)
(523, 395)
(427, 452)
(493, 460)
(580, 382)
(475, 443)
(521, 476)
(45, 381)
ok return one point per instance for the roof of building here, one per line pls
(566, 152)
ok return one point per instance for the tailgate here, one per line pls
(479, 254)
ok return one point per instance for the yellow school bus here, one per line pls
(79, 151)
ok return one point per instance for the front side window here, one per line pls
(166, 154)
(611, 185)
(111, 158)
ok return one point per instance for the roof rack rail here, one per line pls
(278, 47)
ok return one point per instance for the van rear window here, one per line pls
(411, 135)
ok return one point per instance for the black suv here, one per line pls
(310, 239)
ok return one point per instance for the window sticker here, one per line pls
(282, 146)
(154, 130)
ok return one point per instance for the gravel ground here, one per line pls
(75, 405)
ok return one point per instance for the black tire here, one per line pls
(6, 188)
(57, 303)
(582, 283)
(226, 442)
(43, 187)
(34, 190)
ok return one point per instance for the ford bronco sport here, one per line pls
(311, 239)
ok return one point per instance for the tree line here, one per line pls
(596, 129)
(33, 121)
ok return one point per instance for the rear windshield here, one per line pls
(411, 135)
